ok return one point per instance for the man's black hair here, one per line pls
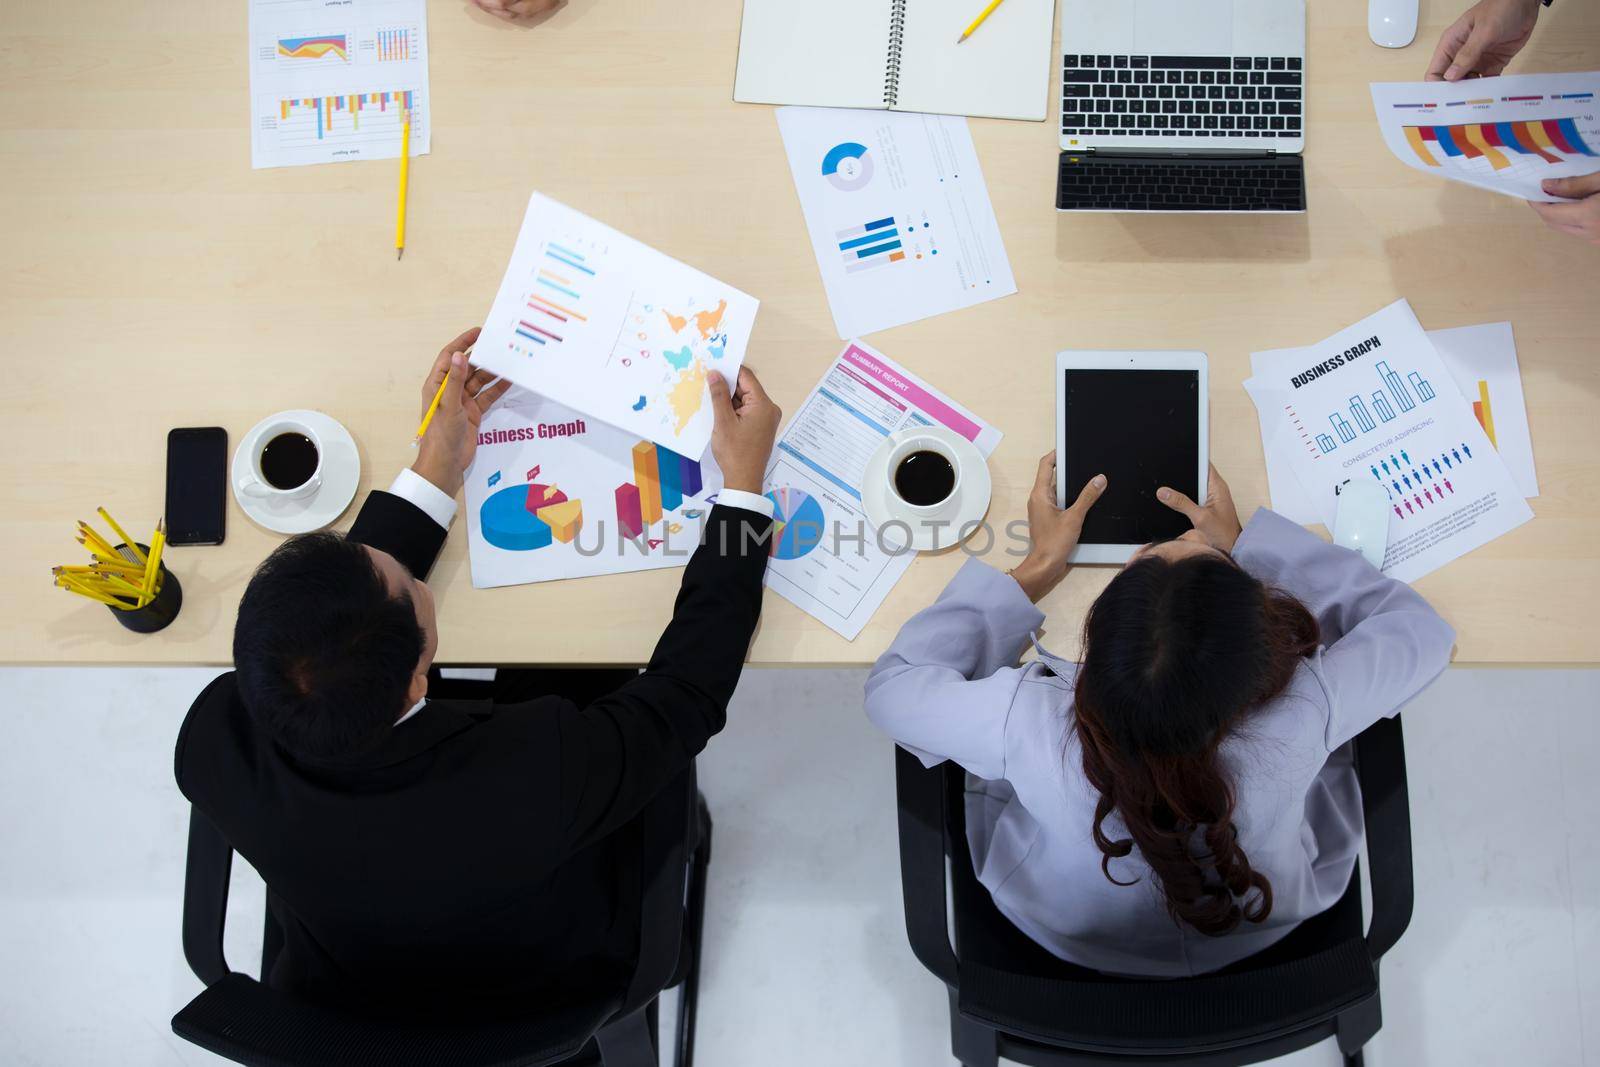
(324, 652)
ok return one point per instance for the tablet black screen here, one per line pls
(1140, 428)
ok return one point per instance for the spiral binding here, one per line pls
(897, 41)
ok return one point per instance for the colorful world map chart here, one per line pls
(593, 319)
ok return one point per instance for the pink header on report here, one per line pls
(912, 393)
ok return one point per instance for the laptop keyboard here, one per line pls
(1137, 183)
(1182, 96)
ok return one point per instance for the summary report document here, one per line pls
(553, 493)
(1504, 134)
(1375, 401)
(897, 55)
(331, 83)
(898, 214)
(595, 320)
(826, 557)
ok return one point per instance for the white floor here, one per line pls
(806, 960)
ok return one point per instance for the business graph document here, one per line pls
(332, 82)
(898, 214)
(1375, 401)
(1504, 134)
(1483, 362)
(827, 558)
(591, 318)
(552, 493)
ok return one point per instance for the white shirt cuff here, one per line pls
(738, 498)
(434, 502)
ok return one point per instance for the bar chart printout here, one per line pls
(1377, 386)
(1507, 134)
(332, 83)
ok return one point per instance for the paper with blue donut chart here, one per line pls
(1375, 401)
(826, 558)
(1504, 134)
(595, 320)
(553, 493)
(898, 214)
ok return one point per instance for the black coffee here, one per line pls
(924, 478)
(289, 460)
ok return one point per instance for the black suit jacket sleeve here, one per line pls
(400, 528)
(620, 751)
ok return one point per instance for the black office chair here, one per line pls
(1026, 1005)
(243, 1020)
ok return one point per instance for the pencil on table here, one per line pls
(405, 174)
(985, 13)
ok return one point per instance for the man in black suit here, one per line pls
(425, 855)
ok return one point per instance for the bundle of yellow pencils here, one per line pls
(114, 578)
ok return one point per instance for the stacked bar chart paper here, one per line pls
(553, 494)
(334, 83)
(1506, 134)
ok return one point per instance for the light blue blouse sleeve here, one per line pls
(945, 687)
(1382, 642)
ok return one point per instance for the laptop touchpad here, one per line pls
(1183, 27)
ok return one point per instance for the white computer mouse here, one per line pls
(1392, 23)
(1361, 520)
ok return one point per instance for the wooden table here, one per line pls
(152, 280)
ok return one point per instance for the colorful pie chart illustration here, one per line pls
(797, 523)
(847, 166)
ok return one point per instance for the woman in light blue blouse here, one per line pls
(1183, 797)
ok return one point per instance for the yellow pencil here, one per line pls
(158, 541)
(985, 13)
(120, 532)
(100, 555)
(100, 544)
(90, 594)
(438, 395)
(405, 174)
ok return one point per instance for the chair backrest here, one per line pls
(239, 1018)
(1333, 970)
(244, 1021)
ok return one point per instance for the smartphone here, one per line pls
(197, 485)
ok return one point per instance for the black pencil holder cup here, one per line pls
(159, 613)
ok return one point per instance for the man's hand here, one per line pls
(1581, 215)
(520, 10)
(747, 423)
(1482, 41)
(1217, 521)
(1053, 531)
(446, 450)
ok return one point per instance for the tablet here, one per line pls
(1139, 418)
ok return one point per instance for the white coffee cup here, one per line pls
(924, 443)
(257, 486)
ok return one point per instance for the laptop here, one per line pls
(1182, 105)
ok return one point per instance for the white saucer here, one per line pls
(942, 528)
(341, 473)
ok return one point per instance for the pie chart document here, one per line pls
(898, 214)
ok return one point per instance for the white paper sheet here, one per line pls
(330, 80)
(1374, 400)
(898, 214)
(556, 494)
(1478, 358)
(828, 559)
(591, 318)
(1504, 134)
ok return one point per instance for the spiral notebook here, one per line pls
(899, 55)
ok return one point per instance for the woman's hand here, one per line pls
(1217, 521)
(1052, 531)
